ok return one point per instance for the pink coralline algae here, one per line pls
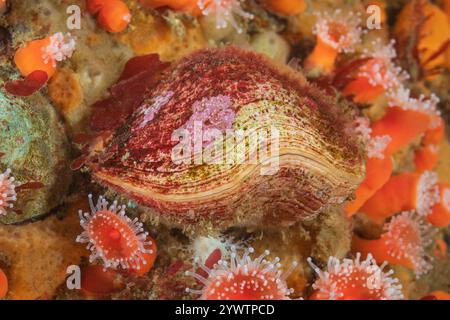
(211, 113)
(152, 110)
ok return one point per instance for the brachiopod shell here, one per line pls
(313, 159)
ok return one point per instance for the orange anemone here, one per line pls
(403, 126)
(376, 75)
(378, 172)
(285, 7)
(440, 213)
(43, 54)
(335, 33)
(30, 58)
(403, 192)
(426, 158)
(114, 16)
(404, 242)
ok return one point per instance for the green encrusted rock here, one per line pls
(34, 146)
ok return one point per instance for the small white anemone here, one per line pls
(60, 48)
(202, 247)
(7, 191)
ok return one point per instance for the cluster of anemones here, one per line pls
(408, 201)
(235, 277)
(364, 78)
(406, 119)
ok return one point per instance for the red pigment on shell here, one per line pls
(240, 76)
(138, 75)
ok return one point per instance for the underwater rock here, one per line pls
(34, 146)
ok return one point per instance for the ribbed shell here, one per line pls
(321, 161)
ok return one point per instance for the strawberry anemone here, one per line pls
(353, 279)
(243, 278)
(371, 75)
(404, 242)
(113, 237)
(336, 33)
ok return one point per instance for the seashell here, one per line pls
(304, 158)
